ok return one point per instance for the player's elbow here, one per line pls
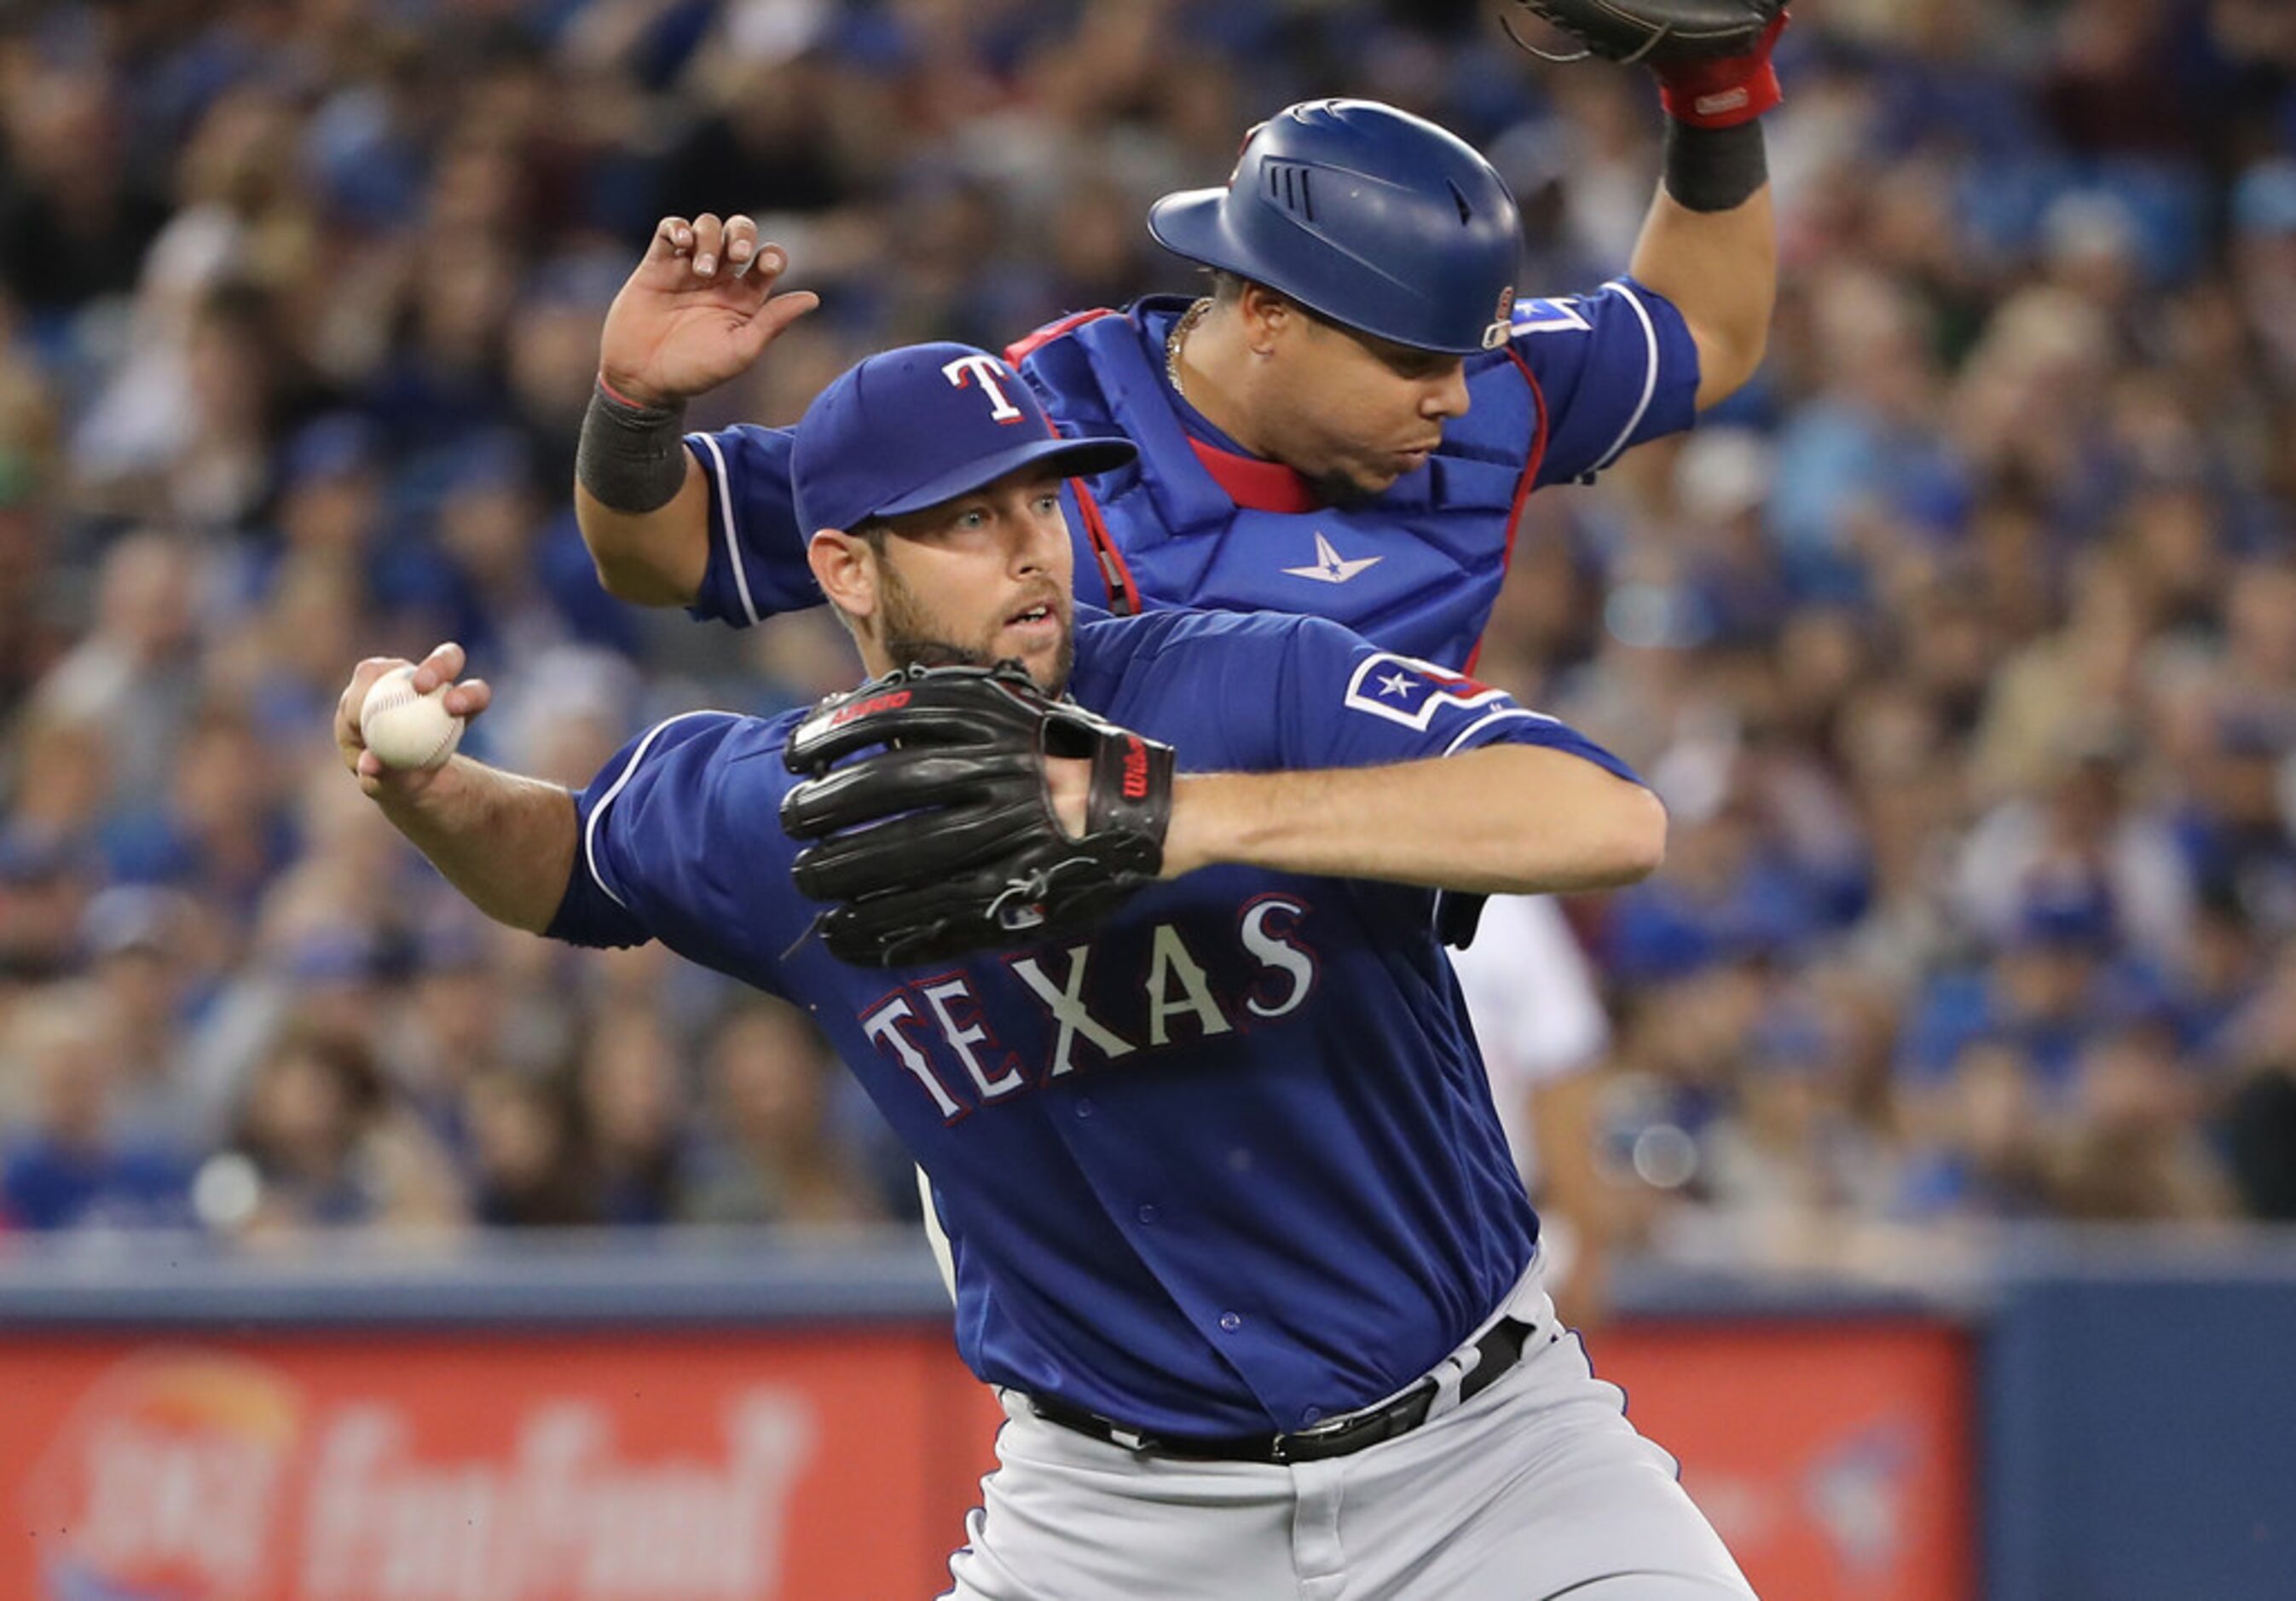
(1749, 350)
(1631, 844)
(1647, 846)
(635, 580)
(1573, 824)
(657, 559)
(1728, 359)
(1640, 846)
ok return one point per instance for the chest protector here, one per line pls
(1416, 569)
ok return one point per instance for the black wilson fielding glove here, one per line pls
(1713, 57)
(937, 837)
(1661, 32)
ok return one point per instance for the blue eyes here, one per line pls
(979, 517)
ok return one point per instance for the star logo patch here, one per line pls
(1330, 567)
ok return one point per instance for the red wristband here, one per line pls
(1725, 92)
(614, 394)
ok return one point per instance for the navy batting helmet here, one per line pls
(1373, 217)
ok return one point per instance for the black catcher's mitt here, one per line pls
(938, 837)
(1659, 32)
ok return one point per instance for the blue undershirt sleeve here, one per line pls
(757, 551)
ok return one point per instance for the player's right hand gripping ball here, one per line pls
(937, 837)
(406, 729)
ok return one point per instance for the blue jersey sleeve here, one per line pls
(1616, 368)
(679, 839)
(1343, 703)
(757, 551)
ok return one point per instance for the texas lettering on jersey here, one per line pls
(1178, 989)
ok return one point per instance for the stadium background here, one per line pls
(1956, 1047)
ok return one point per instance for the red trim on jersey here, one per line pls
(1123, 593)
(1523, 485)
(1255, 484)
(1020, 349)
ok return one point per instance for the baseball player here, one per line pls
(1347, 425)
(1232, 1226)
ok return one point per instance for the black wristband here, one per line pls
(630, 457)
(1715, 169)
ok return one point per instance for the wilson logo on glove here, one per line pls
(891, 702)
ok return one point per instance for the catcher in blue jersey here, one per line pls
(1127, 926)
(1348, 425)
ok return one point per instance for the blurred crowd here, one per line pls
(1962, 647)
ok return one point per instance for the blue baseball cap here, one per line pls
(912, 427)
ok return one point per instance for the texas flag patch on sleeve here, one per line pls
(1345, 703)
(1405, 690)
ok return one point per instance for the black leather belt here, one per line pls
(1497, 1351)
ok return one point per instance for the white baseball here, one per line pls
(406, 729)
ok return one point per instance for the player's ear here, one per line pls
(1267, 316)
(845, 566)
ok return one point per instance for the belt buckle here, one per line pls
(1280, 1447)
(1337, 1428)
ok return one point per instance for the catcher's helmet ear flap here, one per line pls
(1373, 217)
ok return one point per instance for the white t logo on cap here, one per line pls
(988, 369)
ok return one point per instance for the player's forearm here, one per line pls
(655, 558)
(1721, 269)
(505, 842)
(1509, 819)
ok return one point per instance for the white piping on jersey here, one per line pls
(725, 520)
(1650, 372)
(590, 828)
(1487, 718)
(936, 1237)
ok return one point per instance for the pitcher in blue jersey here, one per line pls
(1228, 1213)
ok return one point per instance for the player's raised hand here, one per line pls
(699, 309)
(464, 700)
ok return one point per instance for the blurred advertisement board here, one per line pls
(1835, 1458)
(820, 1466)
(478, 1468)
